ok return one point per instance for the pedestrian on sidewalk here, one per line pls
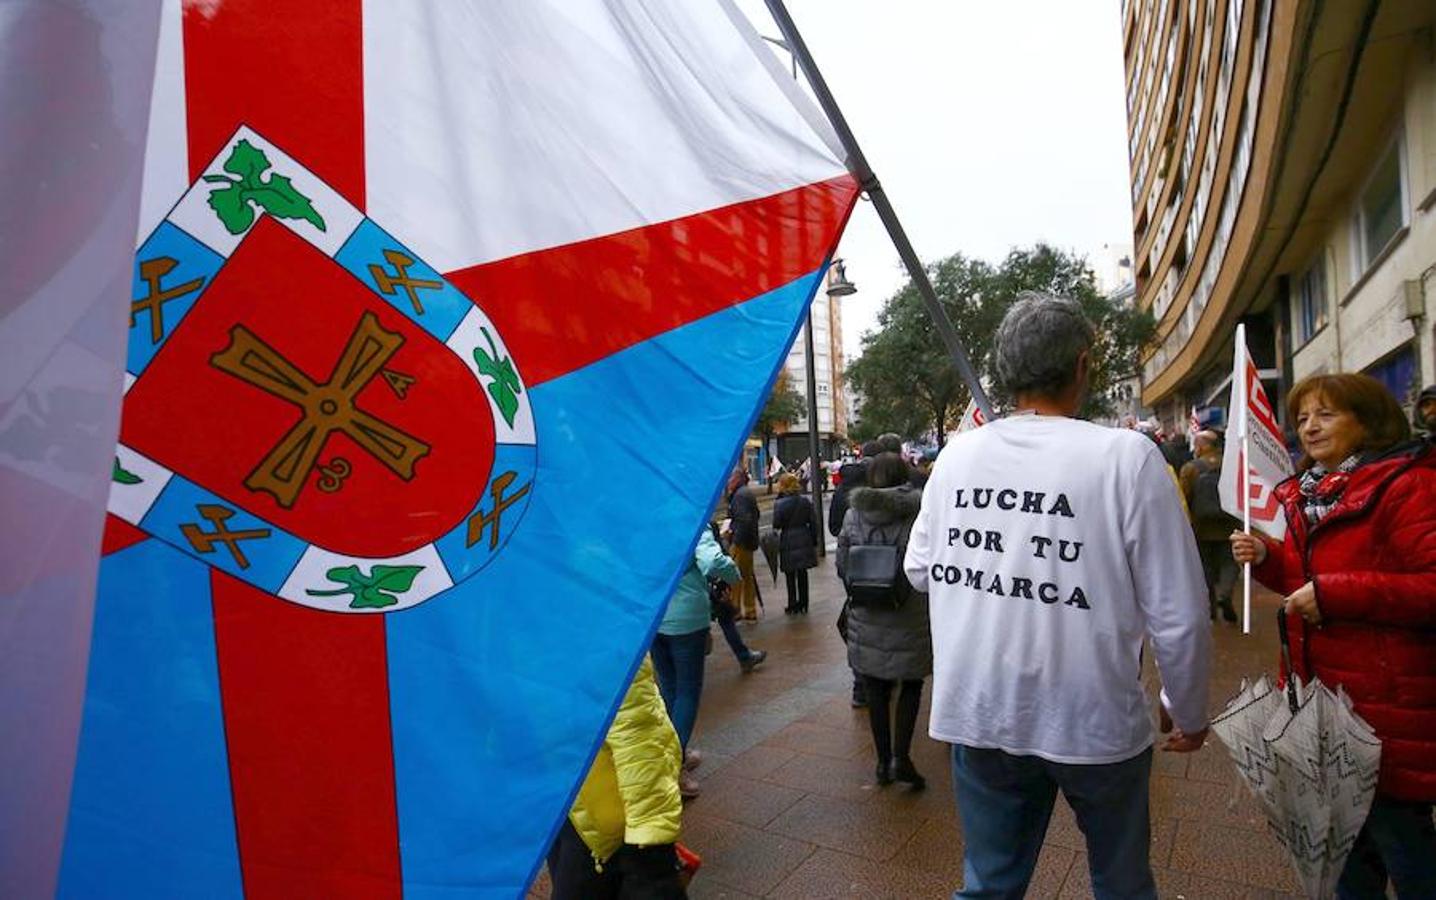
(1358, 568)
(1425, 414)
(1212, 525)
(889, 642)
(797, 528)
(618, 840)
(854, 475)
(720, 600)
(1051, 547)
(743, 540)
(679, 647)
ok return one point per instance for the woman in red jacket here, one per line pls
(1358, 568)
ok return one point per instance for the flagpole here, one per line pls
(1240, 368)
(858, 166)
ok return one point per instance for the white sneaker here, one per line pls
(687, 785)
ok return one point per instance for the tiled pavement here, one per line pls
(789, 810)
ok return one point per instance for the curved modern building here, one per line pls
(1283, 159)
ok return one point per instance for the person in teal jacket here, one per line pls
(681, 641)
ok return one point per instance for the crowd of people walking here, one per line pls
(1027, 575)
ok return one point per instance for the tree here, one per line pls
(908, 383)
(907, 379)
(783, 407)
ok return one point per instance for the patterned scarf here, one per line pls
(1321, 489)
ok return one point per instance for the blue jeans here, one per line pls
(1005, 803)
(1397, 842)
(726, 621)
(678, 665)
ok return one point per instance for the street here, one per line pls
(789, 810)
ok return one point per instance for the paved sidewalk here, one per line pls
(789, 810)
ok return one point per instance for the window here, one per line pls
(1310, 306)
(1381, 211)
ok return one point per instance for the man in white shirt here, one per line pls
(1049, 548)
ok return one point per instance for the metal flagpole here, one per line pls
(858, 165)
(815, 486)
(1239, 369)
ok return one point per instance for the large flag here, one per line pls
(418, 289)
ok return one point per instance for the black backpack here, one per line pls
(874, 575)
(1207, 497)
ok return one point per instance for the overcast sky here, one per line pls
(990, 124)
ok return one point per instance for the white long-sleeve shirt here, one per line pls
(1049, 547)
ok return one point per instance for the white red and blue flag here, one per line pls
(446, 320)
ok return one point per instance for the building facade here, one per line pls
(1283, 161)
(827, 319)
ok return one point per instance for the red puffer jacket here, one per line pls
(1373, 561)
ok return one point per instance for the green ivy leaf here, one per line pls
(372, 591)
(280, 199)
(395, 578)
(248, 162)
(234, 202)
(122, 475)
(232, 207)
(505, 386)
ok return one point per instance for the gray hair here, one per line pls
(1038, 343)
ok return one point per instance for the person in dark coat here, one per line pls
(743, 540)
(1358, 568)
(1426, 410)
(890, 647)
(797, 528)
(852, 475)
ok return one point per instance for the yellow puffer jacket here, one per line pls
(631, 794)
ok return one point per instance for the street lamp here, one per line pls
(838, 286)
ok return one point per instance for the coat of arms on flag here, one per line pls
(332, 374)
(417, 289)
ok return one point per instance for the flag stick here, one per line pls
(1247, 527)
(1239, 370)
(858, 166)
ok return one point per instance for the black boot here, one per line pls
(884, 774)
(903, 772)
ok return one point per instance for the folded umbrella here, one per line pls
(1312, 764)
(769, 544)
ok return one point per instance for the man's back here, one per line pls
(1049, 547)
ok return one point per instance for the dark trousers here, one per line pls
(797, 590)
(728, 623)
(678, 666)
(1220, 569)
(892, 734)
(1398, 842)
(633, 873)
(1005, 803)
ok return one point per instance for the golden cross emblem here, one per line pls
(400, 279)
(206, 541)
(327, 407)
(153, 271)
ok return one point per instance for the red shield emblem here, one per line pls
(312, 408)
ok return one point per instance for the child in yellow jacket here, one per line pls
(618, 839)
